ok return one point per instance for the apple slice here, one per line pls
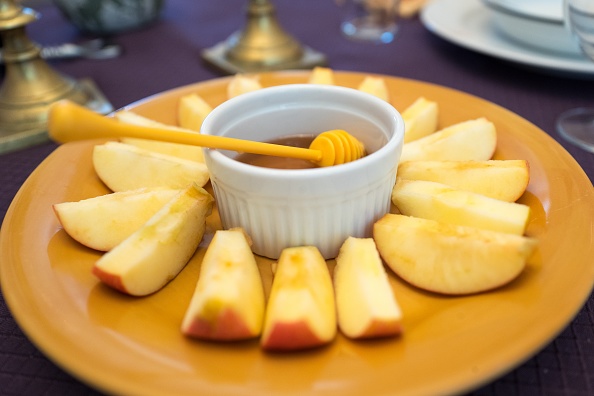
(440, 202)
(450, 259)
(301, 310)
(129, 117)
(420, 119)
(321, 75)
(229, 302)
(105, 221)
(410, 8)
(191, 111)
(365, 304)
(505, 180)
(375, 86)
(186, 151)
(183, 151)
(125, 167)
(242, 83)
(153, 255)
(465, 141)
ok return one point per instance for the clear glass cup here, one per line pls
(577, 125)
(370, 20)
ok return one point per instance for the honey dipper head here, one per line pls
(337, 147)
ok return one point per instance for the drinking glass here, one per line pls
(370, 20)
(577, 125)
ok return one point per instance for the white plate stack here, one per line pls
(530, 33)
(536, 23)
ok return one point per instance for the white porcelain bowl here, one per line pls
(282, 208)
(534, 23)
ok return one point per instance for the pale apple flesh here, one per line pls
(375, 86)
(191, 111)
(321, 76)
(129, 117)
(450, 259)
(505, 180)
(469, 140)
(420, 119)
(440, 202)
(185, 151)
(125, 167)
(153, 255)
(103, 222)
(228, 302)
(365, 303)
(243, 83)
(301, 309)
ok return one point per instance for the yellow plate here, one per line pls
(451, 344)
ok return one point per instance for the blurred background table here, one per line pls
(166, 55)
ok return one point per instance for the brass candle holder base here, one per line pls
(25, 125)
(216, 56)
(261, 46)
(30, 85)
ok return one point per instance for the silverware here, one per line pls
(92, 49)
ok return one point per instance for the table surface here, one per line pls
(166, 55)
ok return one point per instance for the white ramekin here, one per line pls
(322, 206)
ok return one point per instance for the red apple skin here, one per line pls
(291, 336)
(227, 326)
(114, 281)
(301, 308)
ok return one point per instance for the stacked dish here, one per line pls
(529, 33)
(536, 23)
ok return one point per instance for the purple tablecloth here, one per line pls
(167, 55)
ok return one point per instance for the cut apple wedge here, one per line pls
(301, 310)
(153, 255)
(365, 304)
(191, 111)
(229, 302)
(322, 76)
(505, 180)
(242, 83)
(450, 259)
(410, 8)
(129, 117)
(375, 86)
(440, 202)
(125, 167)
(183, 151)
(420, 119)
(186, 151)
(466, 141)
(103, 222)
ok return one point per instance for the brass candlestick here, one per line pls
(261, 46)
(30, 85)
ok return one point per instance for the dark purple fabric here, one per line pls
(167, 55)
